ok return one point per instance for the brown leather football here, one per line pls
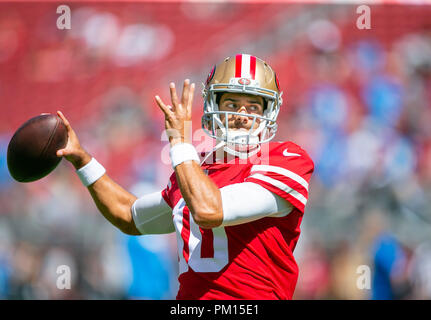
(31, 154)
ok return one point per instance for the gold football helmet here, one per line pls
(241, 74)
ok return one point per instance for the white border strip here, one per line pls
(283, 172)
(281, 186)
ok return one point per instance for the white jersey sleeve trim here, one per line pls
(248, 201)
(152, 215)
(282, 186)
(283, 172)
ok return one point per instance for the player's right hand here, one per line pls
(73, 151)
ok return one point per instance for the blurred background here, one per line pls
(359, 101)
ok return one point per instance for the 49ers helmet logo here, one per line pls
(244, 81)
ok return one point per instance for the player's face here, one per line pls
(242, 103)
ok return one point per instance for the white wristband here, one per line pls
(183, 152)
(91, 172)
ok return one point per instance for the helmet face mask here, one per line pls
(247, 75)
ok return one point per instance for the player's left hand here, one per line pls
(178, 116)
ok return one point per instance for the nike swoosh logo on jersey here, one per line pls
(289, 154)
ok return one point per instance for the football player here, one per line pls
(236, 212)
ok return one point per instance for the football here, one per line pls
(31, 154)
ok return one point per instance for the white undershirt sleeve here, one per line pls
(152, 215)
(248, 201)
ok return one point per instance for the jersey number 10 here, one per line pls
(203, 250)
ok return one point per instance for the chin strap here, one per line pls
(241, 155)
(218, 146)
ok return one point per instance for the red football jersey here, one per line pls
(252, 260)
